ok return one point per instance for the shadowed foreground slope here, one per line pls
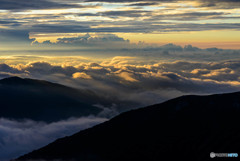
(188, 127)
(43, 101)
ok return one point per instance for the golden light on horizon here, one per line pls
(204, 39)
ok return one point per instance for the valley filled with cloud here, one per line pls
(20, 137)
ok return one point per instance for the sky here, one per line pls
(132, 53)
(200, 23)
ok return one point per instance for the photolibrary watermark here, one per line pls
(226, 155)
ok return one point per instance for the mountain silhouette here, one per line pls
(43, 101)
(185, 128)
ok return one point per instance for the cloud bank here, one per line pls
(134, 81)
(125, 82)
(33, 4)
(21, 137)
(57, 18)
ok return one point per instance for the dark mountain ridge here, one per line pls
(185, 128)
(43, 101)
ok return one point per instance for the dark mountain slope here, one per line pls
(42, 100)
(185, 128)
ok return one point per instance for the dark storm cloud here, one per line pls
(32, 4)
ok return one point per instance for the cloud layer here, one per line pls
(21, 137)
(42, 18)
(33, 4)
(146, 76)
(136, 81)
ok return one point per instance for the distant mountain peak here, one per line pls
(25, 98)
(18, 81)
(15, 81)
(14, 78)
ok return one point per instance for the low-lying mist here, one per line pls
(21, 137)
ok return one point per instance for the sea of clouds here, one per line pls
(21, 137)
(135, 80)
